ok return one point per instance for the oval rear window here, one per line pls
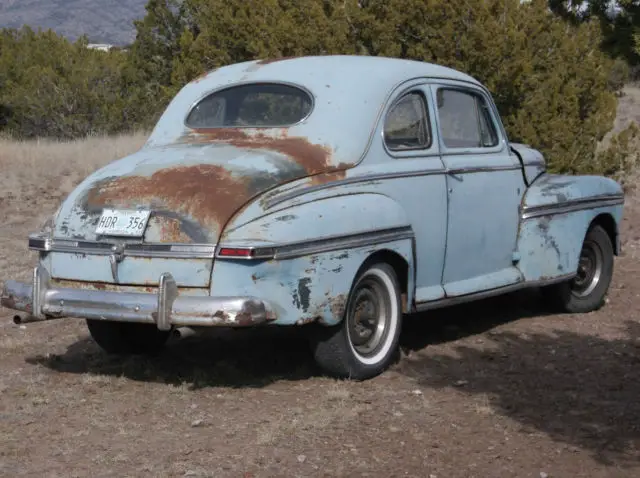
(252, 105)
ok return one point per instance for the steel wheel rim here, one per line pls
(368, 317)
(589, 271)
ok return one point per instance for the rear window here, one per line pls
(252, 105)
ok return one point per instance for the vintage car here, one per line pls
(343, 191)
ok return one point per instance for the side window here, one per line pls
(465, 120)
(406, 126)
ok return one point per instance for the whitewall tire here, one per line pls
(365, 343)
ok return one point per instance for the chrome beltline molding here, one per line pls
(274, 200)
(164, 250)
(604, 200)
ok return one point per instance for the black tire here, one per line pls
(127, 338)
(342, 350)
(587, 291)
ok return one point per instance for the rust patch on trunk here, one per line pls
(207, 193)
(170, 230)
(313, 158)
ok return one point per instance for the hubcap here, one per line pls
(589, 269)
(368, 317)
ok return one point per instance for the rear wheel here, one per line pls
(586, 292)
(127, 338)
(366, 341)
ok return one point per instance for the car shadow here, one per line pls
(256, 357)
(212, 358)
(472, 318)
(580, 390)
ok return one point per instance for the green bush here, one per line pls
(54, 88)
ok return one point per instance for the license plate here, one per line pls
(115, 222)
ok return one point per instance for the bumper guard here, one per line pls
(165, 309)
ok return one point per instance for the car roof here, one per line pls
(311, 71)
(348, 91)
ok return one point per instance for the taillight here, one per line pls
(246, 252)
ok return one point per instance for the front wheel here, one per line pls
(587, 290)
(365, 343)
(127, 338)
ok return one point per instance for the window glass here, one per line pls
(465, 121)
(253, 105)
(406, 126)
(487, 128)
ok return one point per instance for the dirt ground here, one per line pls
(493, 389)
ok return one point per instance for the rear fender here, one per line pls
(318, 249)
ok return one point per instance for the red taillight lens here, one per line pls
(235, 252)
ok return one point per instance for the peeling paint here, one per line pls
(104, 286)
(302, 293)
(287, 217)
(306, 320)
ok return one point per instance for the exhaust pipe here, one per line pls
(20, 320)
(183, 332)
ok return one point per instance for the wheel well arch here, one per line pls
(400, 267)
(608, 223)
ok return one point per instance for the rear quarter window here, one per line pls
(252, 105)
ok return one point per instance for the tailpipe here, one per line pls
(183, 332)
(25, 319)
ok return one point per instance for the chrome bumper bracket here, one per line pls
(167, 294)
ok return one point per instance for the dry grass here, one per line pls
(57, 166)
(35, 176)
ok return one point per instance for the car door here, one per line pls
(410, 158)
(484, 189)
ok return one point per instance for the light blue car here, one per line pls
(338, 190)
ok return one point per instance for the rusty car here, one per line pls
(340, 192)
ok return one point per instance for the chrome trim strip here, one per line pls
(370, 238)
(165, 309)
(285, 196)
(160, 250)
(270, 202)
(605, 200)
(482, 169)
(317, 246)
(485, 294)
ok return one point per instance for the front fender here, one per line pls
(556, 213)
(550, 190)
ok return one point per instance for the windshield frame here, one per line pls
(237, 84)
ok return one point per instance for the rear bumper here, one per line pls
(167, 308)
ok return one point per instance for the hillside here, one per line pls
(104, 21)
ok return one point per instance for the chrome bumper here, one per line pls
(167, 308)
